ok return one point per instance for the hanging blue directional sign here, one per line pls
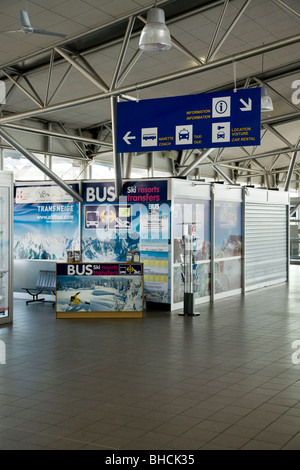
(207, 120)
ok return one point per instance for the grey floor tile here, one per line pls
(269, 435)
(293, 444)
(181, 443)
(224, 380)
(260, 445)
(226, 441)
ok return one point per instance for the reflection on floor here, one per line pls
(222, 380)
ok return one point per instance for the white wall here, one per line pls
(26, 273)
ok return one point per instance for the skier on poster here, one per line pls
(75, 300)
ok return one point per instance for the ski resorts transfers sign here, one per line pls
(133, 191)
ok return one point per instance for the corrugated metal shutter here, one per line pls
(265, 245)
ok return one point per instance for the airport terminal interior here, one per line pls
(149, 225)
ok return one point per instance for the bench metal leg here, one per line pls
(34, 300)
(35, 297)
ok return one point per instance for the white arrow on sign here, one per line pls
(127, 137)
(247, 106)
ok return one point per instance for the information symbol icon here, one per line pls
(221, 107)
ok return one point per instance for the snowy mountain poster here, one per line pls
(46, 222)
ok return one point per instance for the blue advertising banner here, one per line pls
(111, 227)
(46, 222)
(207, 120)
(138, 221)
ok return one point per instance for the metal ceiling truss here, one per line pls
(63, 53)
(286, 7)
(119, 92)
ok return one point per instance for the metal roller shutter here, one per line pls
(265, 245)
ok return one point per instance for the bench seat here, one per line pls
(46, 283)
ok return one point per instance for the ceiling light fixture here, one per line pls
(266, 101)
(155, 36)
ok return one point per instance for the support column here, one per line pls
(212, 243)
(116, 156)
(128, 166)
(151, 164)
(1, 158)
(291, 169)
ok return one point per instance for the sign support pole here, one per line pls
(117, 159)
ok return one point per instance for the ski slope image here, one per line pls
(99, 293)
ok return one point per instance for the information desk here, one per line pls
(99, 290)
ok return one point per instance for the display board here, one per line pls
(46, 222)
(99, 290)
(139, 220)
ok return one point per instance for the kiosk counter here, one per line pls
(99, 290)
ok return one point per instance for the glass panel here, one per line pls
(178, 284)
(295, 234)
(228, 244)
(139, 173)
(102, 172)
(22, 168)
(65, 168)
(228, 229)
(4, 252)
(202, 280)
(228, 275)
(192, 212)
(197, 213)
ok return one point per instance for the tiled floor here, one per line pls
(221, 380)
